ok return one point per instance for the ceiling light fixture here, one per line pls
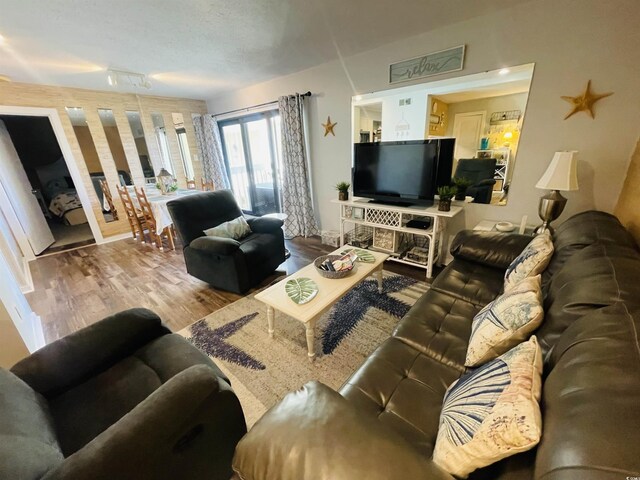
(117, 78)
(503, 71)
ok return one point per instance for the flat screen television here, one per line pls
(405, 173)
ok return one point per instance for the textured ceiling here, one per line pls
(197, 48)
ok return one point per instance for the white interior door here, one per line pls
(22, 201)
(467, 130)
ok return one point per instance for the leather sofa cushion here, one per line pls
(28, 444)
(583, 230)
(594, 277)
(470, 281)
(404, 390)
(492, 249)
(82, 413)
(591, 399)
(315, 434)
(438, 326)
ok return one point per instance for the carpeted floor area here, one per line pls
(263, 370)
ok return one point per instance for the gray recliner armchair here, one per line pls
(233, 265)
(122, 399)
(480, 172)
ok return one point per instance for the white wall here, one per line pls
(516, 101)
(24, 320)
(12, 347)
(404, 122)
(571, 41)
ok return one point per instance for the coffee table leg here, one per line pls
(379, 275)
(311, 337)
(270, 315)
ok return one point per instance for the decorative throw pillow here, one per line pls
(237, 229)
(505, 322)
(532, 261)
(491, 412)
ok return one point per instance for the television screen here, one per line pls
(404, 172)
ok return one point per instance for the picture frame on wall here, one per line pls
(435, 63)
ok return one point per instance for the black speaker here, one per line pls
(421, 224)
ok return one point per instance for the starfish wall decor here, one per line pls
(584, 102)
(328, 127)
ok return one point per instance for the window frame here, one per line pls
(242, 121)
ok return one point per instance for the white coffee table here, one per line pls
(329, 292)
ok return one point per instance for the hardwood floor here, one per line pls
(76, 288)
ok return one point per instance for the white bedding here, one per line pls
(67, 205)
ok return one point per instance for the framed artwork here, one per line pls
(435, 63)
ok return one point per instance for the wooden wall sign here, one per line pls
(449, 60)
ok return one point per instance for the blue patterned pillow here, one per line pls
(532, 261)
(492, 412)
(505, 322)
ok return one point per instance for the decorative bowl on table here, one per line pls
(330, 273)
(505, 227)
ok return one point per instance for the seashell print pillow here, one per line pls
(492, 412)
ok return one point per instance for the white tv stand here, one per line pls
(360, 211)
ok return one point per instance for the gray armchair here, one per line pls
(121, 399)
(233, 265)
(480, 172)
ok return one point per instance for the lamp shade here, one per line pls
(561, 174)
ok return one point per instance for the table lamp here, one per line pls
(560, 175)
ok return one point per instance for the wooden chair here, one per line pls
(191, 184)
(207, 186)
(107, 195)
(134, 215)
(150, 219)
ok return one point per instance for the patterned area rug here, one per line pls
(262, 370)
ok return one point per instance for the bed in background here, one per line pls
(64, 202)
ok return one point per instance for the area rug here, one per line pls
(263, 370)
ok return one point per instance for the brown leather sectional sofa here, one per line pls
(384, 422)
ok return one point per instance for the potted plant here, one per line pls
(343, 191)
(445, 193)
(461, 185)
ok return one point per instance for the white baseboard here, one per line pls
(115, 238)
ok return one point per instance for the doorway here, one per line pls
(42, 190)
(251, 147)
(21, 235)
(467, 130)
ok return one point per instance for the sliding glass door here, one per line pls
(251, 151)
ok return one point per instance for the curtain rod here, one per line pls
(246, 109)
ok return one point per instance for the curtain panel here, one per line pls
(210, 146)
(296, 191)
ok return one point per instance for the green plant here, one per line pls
(343, 186)
(462, 183)
(170, 188)
(446, 192)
